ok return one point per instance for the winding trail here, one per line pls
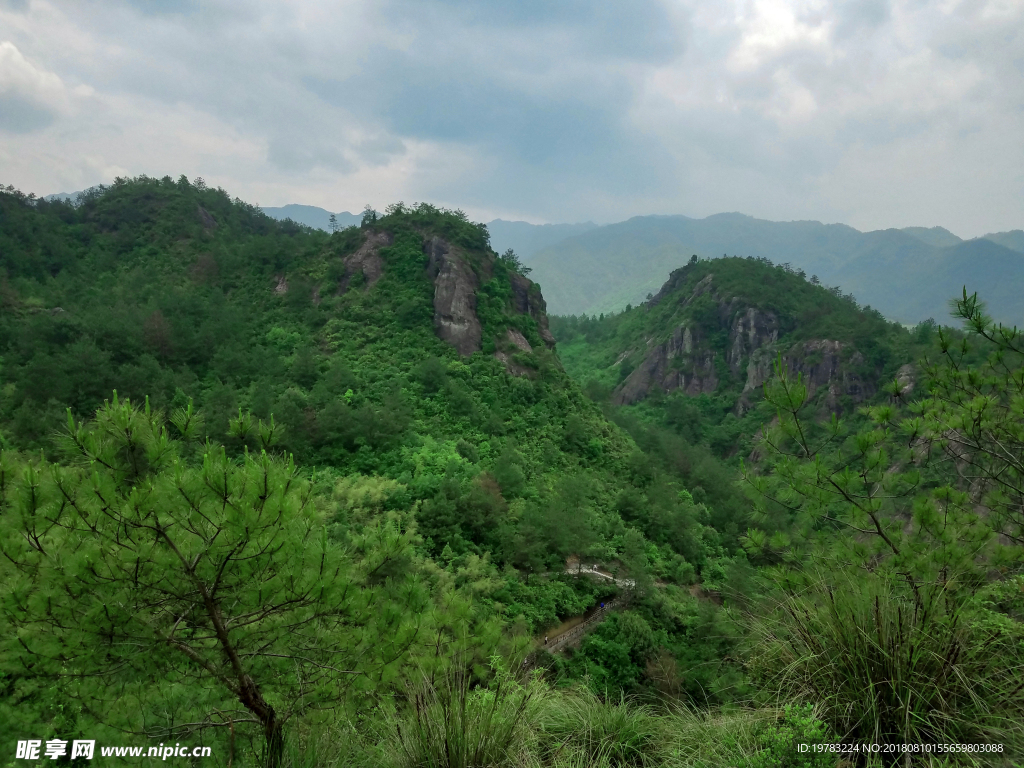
(593, 571)
(559, 642)
(577, 632)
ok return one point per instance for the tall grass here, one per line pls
(706, 739)
(885, 664)
(451, 724)
(577, 725)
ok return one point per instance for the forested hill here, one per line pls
(908, 275)
(351, 548)
(702, 348)
(405, 348)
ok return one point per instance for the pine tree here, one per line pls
(142, 572)
(894, 604)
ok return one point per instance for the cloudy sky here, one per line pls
(874, 113)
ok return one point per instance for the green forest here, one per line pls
(324, 498)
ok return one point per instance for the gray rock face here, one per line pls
(455, 286)
(906, 378)
(819, 363)
(679, 363)
(517, 339)
(527, 301)
(367, 260)
(750, 331)
(514, 340)
(206, 218)
(686, 361)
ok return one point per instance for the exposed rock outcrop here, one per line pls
(367, 260)
(751, 330)
(456, 275)
(206, 218)
(526, 300)
(906, 378)
(819, 363)
(679, 363)
(519, 340)
(455, 286)
(514, 340)
(688, 361)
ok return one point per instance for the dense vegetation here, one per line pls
(307, 530)
(601, 352)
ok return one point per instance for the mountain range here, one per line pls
(908, 274)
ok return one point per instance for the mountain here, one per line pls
(526, 239)
(311, 216)
(405, 364)
(898, 273)
(1014, 239)
(697, 354)
(937, 236)
(423, 470)
(73, 197)
(405, 349)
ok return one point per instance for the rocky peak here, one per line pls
(455, 286)
(526, 300)
(457, 276)
(689, 359)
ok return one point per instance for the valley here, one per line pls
(325, 488)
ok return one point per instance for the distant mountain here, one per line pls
(526, 239)
(896, 272)
(606, 268)
(1014, 239)
(943, 238)
(70, 196)
(940, 237)
(312, 216)
(522, 237)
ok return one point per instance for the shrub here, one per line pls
(780, 743)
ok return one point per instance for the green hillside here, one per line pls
(163, 290)
(348, 485)
(699, 351)
(405, 367)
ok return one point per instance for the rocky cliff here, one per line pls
(458, 275)
(722, 341)
(455, 287)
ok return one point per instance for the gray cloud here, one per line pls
(875, 112)
(19, 114)
(296, 154)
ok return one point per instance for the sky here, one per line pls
(873, 113)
